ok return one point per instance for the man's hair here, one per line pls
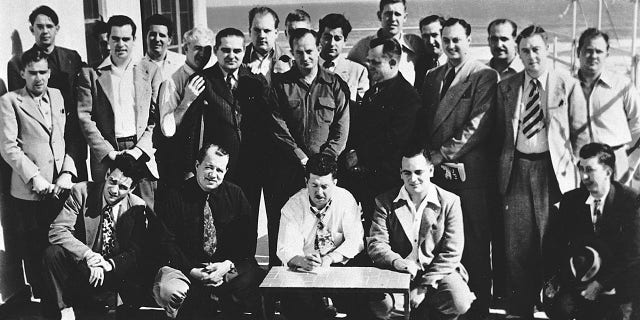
(158, 20)
(297, 15)
(262, 11)
(334, 21)
(603, 152)
(99, 28)
(412, 149)
(500, 21)
(202, 153)
(45, 11)
(453, 21)
(431, 19)
(391, 48)
(227, 32)
(198, 33)
(299, 33)
(386, 2)
(530, 31)
(119, 21)
(32, 55)
(322, 165)
(592, 33)
(130, 167)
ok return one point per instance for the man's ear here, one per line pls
(31, 29)
(379, 14)
(22, 74)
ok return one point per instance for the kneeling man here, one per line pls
(418, 229)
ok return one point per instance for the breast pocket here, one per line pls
(325, 109)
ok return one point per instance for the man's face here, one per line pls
(533, 53)
(501, 42)
(297, 25)
(456, 43)
(432, 37)
(320, 189)
(121, 42)
(158, 41)
(230, 53)
(36, 75)
(332, 42)
(416, 173)
(379, 65)
(210, 172)
(44, 31)
(595, 176)
(198, 52)
(263, 32)
(306, 52)
(393, 17)
(593, 55)
(116, 187)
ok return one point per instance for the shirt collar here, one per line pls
(606, 78)
(515, 65)
(187, 69)
(432, 196)
(224, 73)
(108, 64)
(335, 61)
(590, 200)
(542, 79)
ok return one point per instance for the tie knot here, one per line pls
(535, 83)
(328, 64)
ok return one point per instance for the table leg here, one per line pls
(407, 306)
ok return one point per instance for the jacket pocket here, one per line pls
(325, 109)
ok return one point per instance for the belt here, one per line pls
(126, 139)
(532, 156)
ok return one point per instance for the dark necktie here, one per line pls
(323, 242)
(210, 240)
(448, 79)
(598, 213)
(328, 64)
(108, 230)
(532, 122)
(230, 83)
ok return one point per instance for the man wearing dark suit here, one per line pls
(32, 123)
(604, 215)
(65, 64)
(117, 106)
(536, 162)
(96, 240)
(381, 126)
(454, 124)
(209, 238)
(263, 55)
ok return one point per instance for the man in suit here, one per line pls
(613, 104)
(158, 32)
(431, 33)
(96, 241)
(296, 19)
(539, 115)
(263, 55)
(380, 127)
(455, 124)
(603, 215)
(392, 16)
(32, 124)
(117, 106)
(504, 51)
(210, 242)
(334, 30)
(418, 229)
(64, 66)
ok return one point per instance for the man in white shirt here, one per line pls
(504, 50)
(158, 31)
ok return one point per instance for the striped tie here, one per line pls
(532, 122)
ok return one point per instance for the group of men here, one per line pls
(490, 160)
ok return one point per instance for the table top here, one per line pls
(337, 278)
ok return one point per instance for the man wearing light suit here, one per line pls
(539, 115)
(455, 124)
(32, 123)
(117, 106)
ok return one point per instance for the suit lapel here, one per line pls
(29, 105)
(104, 79)
(452, 96)
(403, 213)
(93, 212)
(142, 91)
(555, 94)
(220, 84)
(512, 105)
(58, 115)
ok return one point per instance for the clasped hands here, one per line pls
(41, 186)
(97, 267)
(310, 261)
(212, 274)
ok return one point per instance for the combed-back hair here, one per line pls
(334, 21)
(321, 165)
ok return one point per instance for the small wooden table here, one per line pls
(338, 280)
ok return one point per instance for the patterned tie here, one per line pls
(324, 243)
(598, 214)
(448, 79)
(210, 240)
(230, 83)
(532, 122)
(108, 229)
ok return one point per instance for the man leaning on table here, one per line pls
(418, 229)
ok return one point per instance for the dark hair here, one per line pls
(604, 152)
(386, 2)
(130, 167)
(299, 33)
(227, 32)
(119, 21)
(297, 15)
(496, 22)
(262, 11)
(321, 165)
(431, 19)
(592, 33)
(158, 20)
(412, 149)
(45, 11)
(453, 21)
(32, 55)
(99, 28)
(390, 46)
(334, 21)
(202, 153)
(531, 31)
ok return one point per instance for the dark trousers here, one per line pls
(36, 218)
(569, 304)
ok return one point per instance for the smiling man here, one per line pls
(431, 33)
(504, 51)
(612, 101)
(158, 32)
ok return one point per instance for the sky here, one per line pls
(225, 3)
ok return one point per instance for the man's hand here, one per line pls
(592, 290)
(307, 262)
(407, 266)
(93, 259)
(195, 86)
(303, 162)
(416, 296)
(63, 183)
(96, 277)
(217, 271)
(106, 265)
(40, 185)
(327, 261)
(436, 157)
(113, 154)
(351, 159)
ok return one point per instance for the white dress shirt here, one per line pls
(540, 141)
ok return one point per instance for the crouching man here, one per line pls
(418, 229)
